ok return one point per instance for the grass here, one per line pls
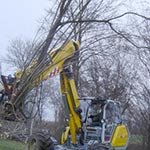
(11, 145)
(136, 139)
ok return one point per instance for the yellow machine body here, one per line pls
(64, 136)
(120, 136)
(59, 63)
(68, 89)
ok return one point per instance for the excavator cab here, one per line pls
(103, 124)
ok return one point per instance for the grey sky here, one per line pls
(19, 18)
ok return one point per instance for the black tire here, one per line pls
(102, 148)
(40, 141)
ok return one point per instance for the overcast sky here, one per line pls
(19, 18)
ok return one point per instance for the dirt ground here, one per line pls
(135, 147)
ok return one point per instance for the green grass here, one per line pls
(11, 145)
(136, 139)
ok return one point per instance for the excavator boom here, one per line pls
(60, 61)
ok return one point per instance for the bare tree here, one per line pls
(108, 79)
(140, 108)
(100, 27)
(140, 114)
(62, 23)
(20, 53)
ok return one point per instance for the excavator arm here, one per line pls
(56, 57)
(71, 103)
(60, 63)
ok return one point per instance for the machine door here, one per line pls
(112, 117)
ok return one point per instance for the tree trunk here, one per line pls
(148, 138)
(143, 142)
(31, 127)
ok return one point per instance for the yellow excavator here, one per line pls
(101, 127)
